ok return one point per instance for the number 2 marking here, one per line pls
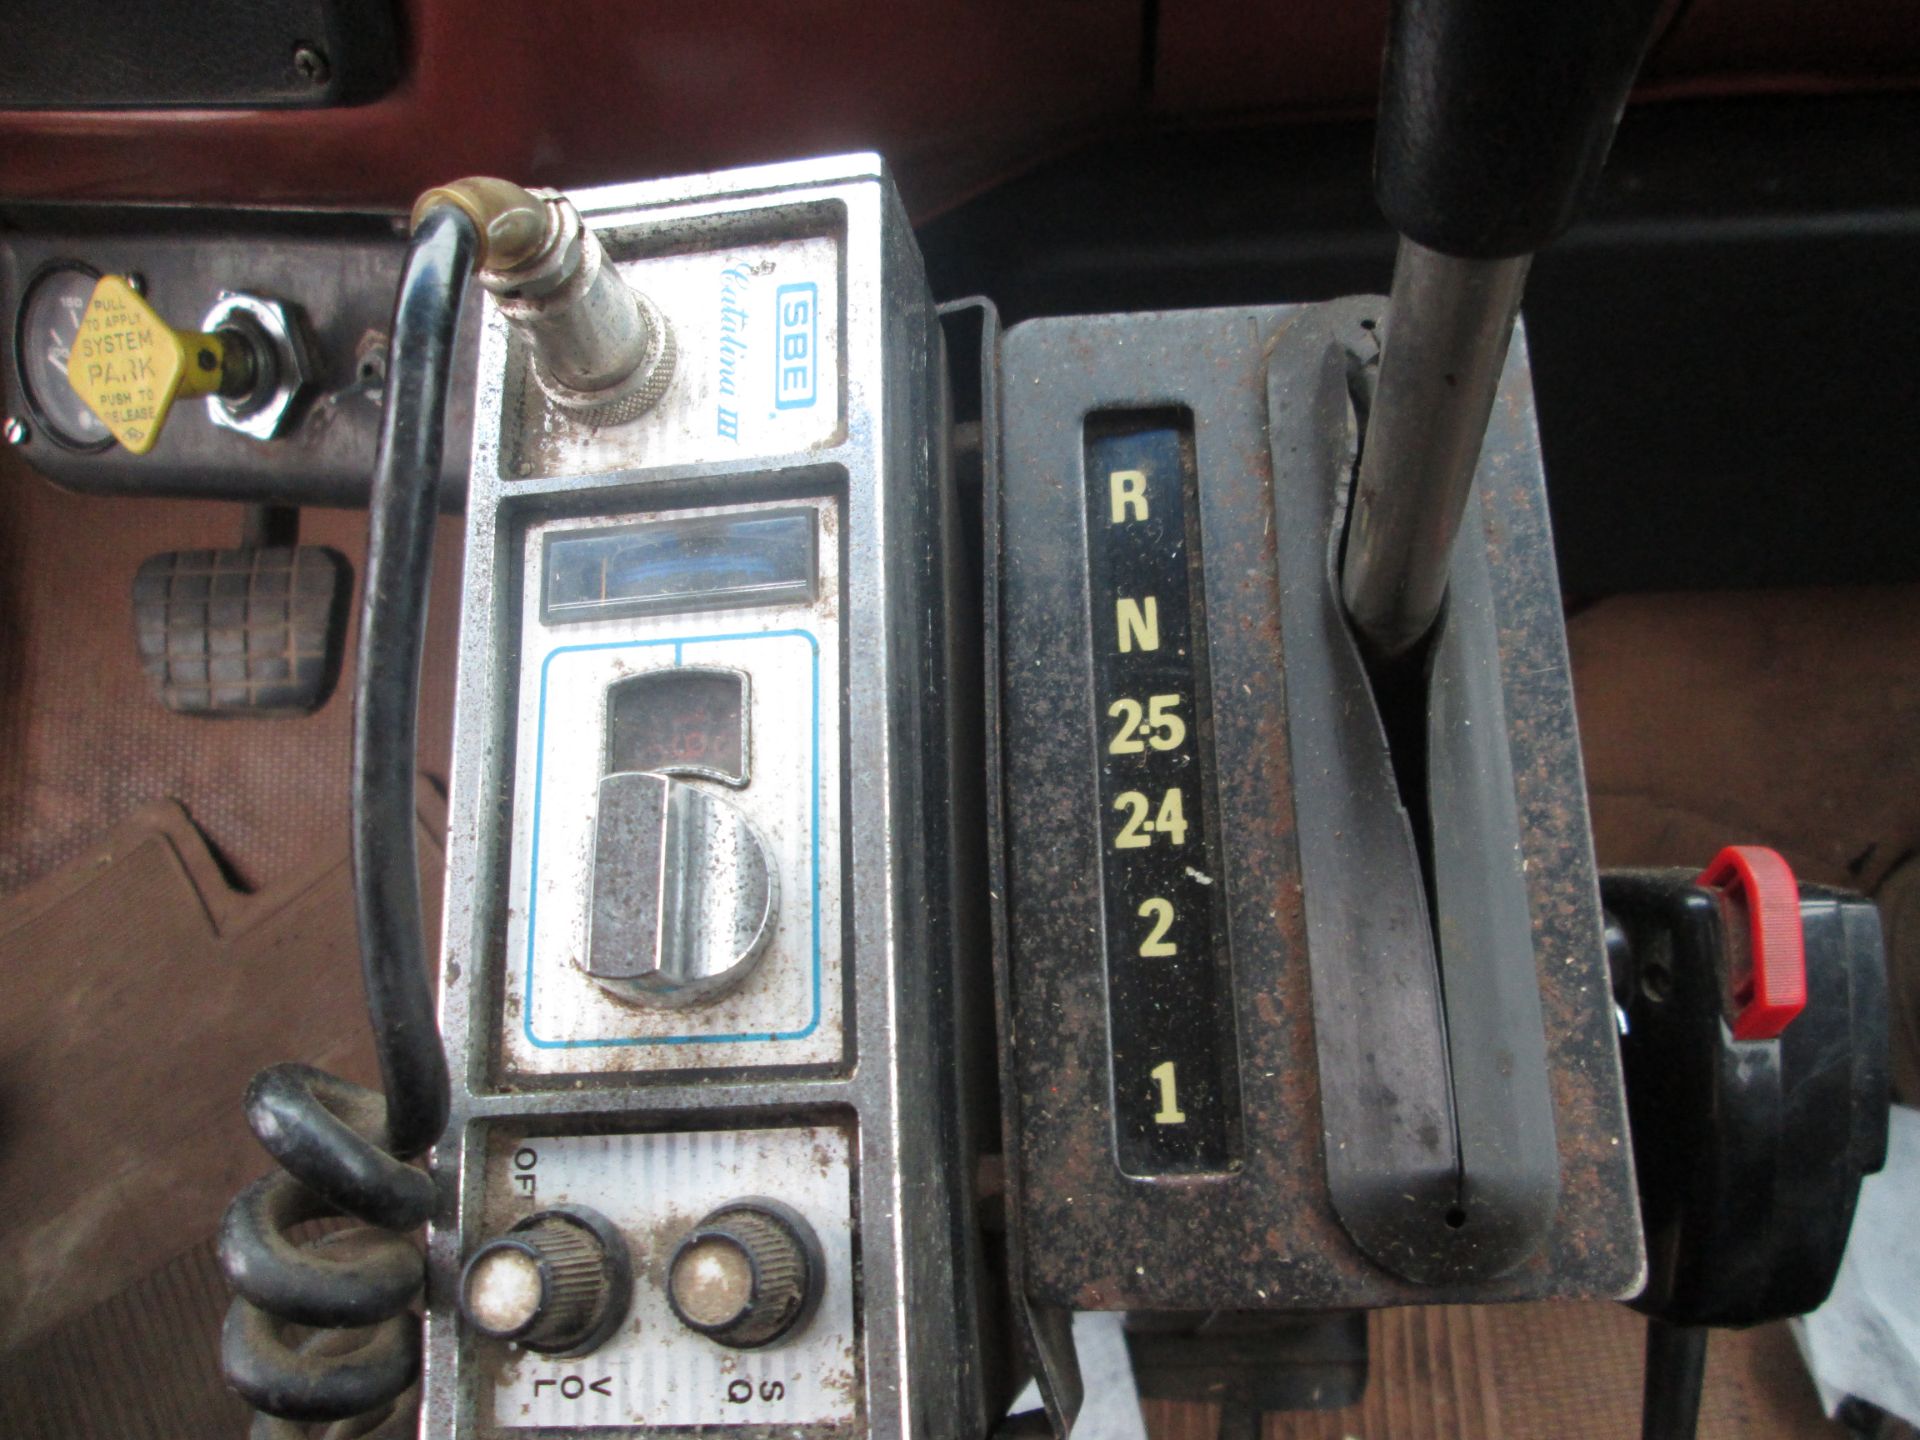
(1161, 913)
(1132, 835)
(1169, 1112)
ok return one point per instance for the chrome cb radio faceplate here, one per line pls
(702, 938)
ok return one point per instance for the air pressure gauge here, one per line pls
(49, 316)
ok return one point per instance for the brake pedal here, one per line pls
(255, 630)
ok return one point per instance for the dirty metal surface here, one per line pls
(654, 1371)
(1261, 1232)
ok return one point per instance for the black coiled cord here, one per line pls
(324, 1331)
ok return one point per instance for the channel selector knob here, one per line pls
(558, 1282)
(683, 898)
(747, 1276)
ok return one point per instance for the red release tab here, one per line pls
(1772, 988)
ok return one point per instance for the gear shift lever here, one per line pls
(1495, 116)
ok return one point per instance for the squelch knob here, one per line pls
(747, 1276)
(558, 1282)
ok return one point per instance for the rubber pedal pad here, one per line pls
(250, 631)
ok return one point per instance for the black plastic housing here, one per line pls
(1749, 1153)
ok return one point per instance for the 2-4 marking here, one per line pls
(1138, 831)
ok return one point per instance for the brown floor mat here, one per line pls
(143, 993)
(162, 1380)
(83, 743)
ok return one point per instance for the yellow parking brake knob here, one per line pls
(130, 366)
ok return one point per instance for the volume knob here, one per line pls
(748, 1275)
(558, 1282)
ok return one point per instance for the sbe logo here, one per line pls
(796, 380)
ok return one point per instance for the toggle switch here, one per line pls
(683, 897)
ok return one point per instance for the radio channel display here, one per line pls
(1173, 1054)
(691, 562)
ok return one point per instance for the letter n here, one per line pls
(1138, 623)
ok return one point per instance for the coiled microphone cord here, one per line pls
(324, 1330)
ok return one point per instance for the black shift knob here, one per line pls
(1496, 116)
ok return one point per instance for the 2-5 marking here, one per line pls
(1163, 729)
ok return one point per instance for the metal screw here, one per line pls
(310, 64)
(136, 282)
(370, 358)
(16, 431)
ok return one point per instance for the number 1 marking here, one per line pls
(1169, 1112)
